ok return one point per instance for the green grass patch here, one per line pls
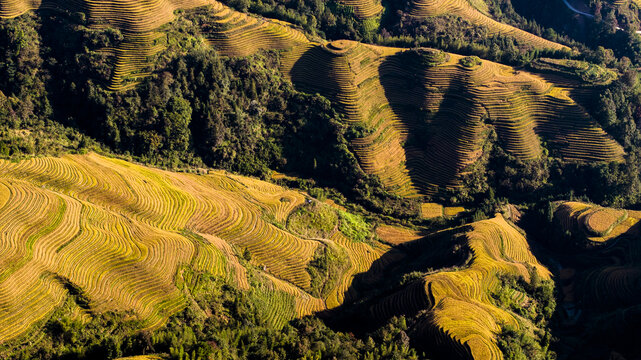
(274, 307)
(354, 226)
(313, 220)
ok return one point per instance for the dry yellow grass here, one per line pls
(431, 210)
(397, 235)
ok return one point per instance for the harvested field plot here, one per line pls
(595, 223)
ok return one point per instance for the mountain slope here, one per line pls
(118, 234)
(406, 133)
(459, 307)
(465, 10)
(423, 120)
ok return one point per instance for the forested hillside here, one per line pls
(349, 179)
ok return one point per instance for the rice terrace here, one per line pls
(320, 179)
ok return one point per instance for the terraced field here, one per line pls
(446, 107)
(364, 9)
(461, 314)
(239, 34)
(121, 233)
(467, 11)
(595, 223)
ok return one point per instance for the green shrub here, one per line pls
(354, 226)
(470, 61)
(313, 220)
(326, 268)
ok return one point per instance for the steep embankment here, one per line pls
(119, 234)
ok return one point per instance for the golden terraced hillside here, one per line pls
(455, 306)
(121, 233)
(390, 93)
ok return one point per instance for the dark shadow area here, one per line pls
(77, 294)
(436, 139)
(394, 286)
(598, 314)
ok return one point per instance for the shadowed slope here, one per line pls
(420, 121)
(602, 276)
(457, 316)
